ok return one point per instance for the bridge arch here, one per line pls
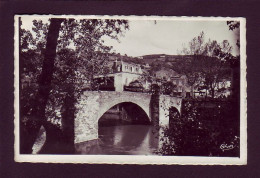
(106, 107)
(93, 104)
(129, 111)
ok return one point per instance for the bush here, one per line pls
(205, 128)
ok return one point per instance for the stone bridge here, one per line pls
(93, 104)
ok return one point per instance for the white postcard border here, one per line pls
(134, 159)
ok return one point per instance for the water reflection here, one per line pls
(122, 140)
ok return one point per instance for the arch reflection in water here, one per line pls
(124, 129)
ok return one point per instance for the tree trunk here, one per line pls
(68, 116)
(212, 92)
(53, 141)
(37, 118)
(61, 141)
(192, 91)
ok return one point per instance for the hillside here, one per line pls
(161, 58)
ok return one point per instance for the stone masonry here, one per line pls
(93, 104)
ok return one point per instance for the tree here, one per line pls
(232, 26)
(168, 87)
(205, 125)
(188, 66)
(201, 130)
(60, 76)
(234, 62)
(203, 65)
(37, 115)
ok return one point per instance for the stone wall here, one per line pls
(93, 104)
(86, 124)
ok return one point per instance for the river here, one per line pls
(122, 140)
(123, 130)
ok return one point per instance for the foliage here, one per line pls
(36, 118)
(206, 65)
(29, 70)
(233, 24)
(81, 54)
(167, 88)
(205, 128)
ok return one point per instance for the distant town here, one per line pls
(144, 73)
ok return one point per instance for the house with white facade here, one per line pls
(122, 73)
(125, 73)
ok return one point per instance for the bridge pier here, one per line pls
(154, 109)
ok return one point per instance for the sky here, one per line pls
(166, 36)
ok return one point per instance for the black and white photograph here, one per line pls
(130, 89)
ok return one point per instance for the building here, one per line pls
(125, 73)
(168, 75)
(122, 73)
